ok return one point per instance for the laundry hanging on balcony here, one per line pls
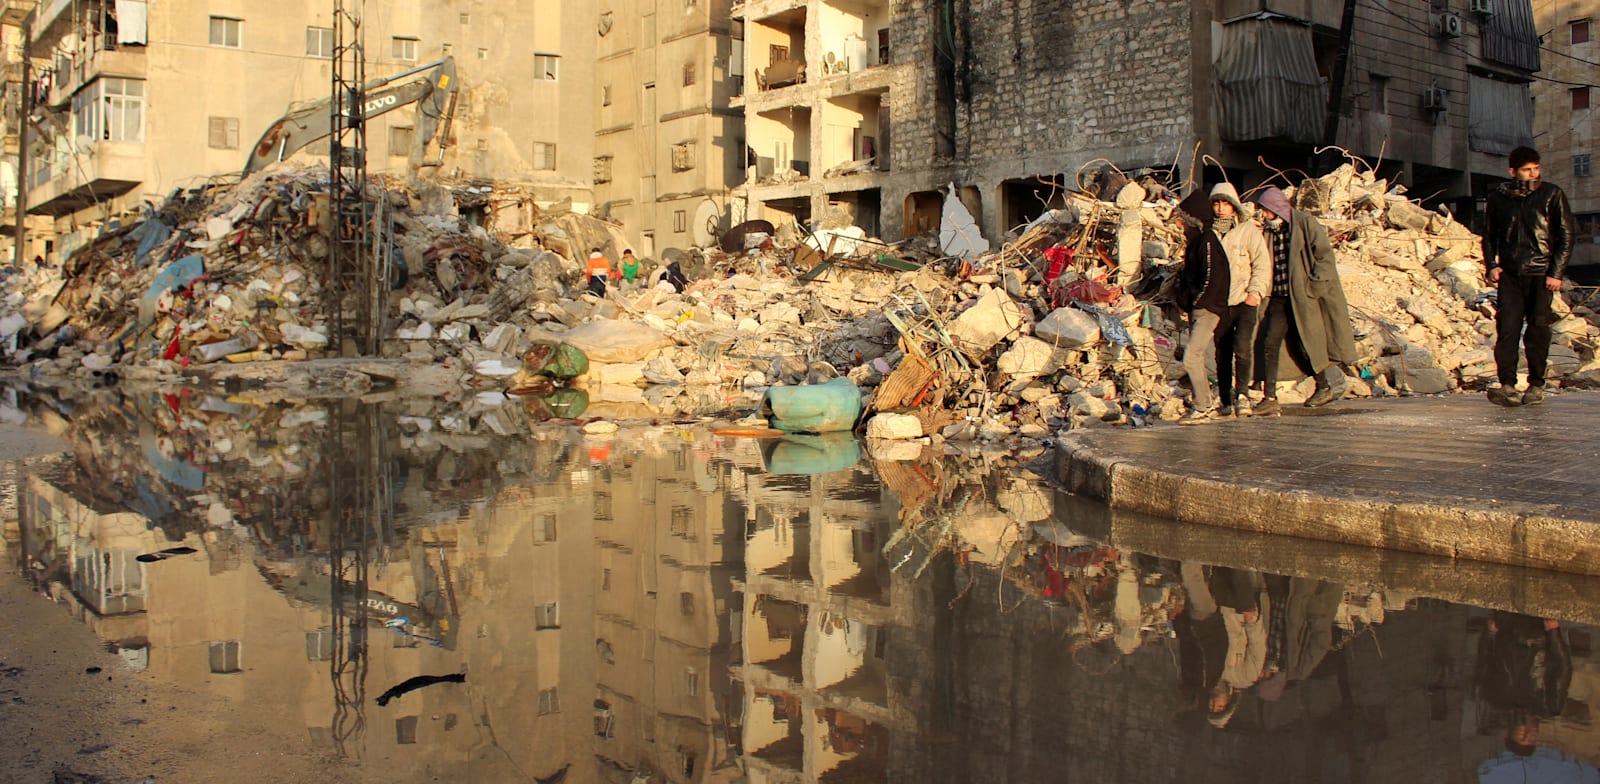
(132, 21)
(1267, 84)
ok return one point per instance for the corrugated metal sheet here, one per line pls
(1509, 35)
(1267, 82)
(1500, 115)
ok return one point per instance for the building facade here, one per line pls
(882, 107)
(666, 139)
(131, 100)
(1564, 126)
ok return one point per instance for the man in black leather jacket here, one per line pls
(1526, 246)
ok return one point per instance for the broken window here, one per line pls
(544, 156)
(225, 31)
(1582, 165)
(602, 169)
(1380, 93)
(319, 42)
(319, 645)
(547, 616)
(224, 133)
(549, 702)
(403, 48)
(682, 156)
(544, 530)
(401, 137)
(225, 657)
(546, 67)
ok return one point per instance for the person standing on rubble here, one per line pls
(599, 272)
(1526, 245)
(1307, 301)
(630, 267)
(1229, 269)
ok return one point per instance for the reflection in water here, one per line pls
(454, 596)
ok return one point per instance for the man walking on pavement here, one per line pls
(1526, 245)
(1307, 301)
(1228, 269)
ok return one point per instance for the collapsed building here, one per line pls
(1072, 323)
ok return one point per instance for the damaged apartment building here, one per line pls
(1564, 123)
(131, 100)
(881, 106)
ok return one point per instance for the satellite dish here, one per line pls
(707, 224)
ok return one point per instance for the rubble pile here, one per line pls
(1071, 323)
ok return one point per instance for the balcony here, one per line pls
(94, 174)
(129, 63)
(12, 12)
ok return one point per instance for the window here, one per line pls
(546, 67)
(483, 54)
(319, 42)
(111, 110)
(680, 221)
(602, 506)
(549, 702)
(605, 579)
(1580, 98)
(403, 48)
(224, 134)
(602, 169)
(466, 18)
(691, 681)
(683, 156)
(547, 616)
(401, 137)
(319, 645)
(1380, 94)
(776, 54)
(225, 657)
(225, 31)
(1578, 31)
(682, 524)
(686, 604)
(544, 529)
(446, 49)
(1582, 165)
(605, 95)
(405, 730)
(688, 74)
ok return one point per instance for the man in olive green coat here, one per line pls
(1307, 302)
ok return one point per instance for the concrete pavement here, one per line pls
(1453, 476)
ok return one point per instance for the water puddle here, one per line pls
(424, 593)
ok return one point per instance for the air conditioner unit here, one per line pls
(1450, 25)
(1484, 7)
(1435, 99)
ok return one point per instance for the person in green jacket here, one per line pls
(630, 267)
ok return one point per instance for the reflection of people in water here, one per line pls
(1222, 636)
(1524, 669)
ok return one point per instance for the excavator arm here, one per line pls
(434, 93)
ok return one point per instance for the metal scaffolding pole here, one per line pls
(352, 269)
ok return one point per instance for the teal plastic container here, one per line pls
(813, 408)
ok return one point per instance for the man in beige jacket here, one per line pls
(1228, 269)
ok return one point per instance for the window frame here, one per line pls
(324, 37)
(399, 43)
(229, 128)
(551, 70)
(1583, 164)
(401, 151)
(226, 22)
(1579, 98)
(1573, 28)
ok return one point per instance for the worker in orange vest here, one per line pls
(599, 272)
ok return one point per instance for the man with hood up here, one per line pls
(1307, 302)
(1526, 245)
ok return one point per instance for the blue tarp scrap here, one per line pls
(151, 233)
(177, 275)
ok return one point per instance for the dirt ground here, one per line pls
(73, 713)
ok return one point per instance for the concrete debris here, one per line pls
(1071, 323)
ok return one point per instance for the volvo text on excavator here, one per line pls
(434, 93)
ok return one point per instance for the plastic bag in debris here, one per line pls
(1110, 327)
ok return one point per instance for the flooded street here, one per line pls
(398, 593)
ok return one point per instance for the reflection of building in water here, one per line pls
(586, 595)
(817, 620)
